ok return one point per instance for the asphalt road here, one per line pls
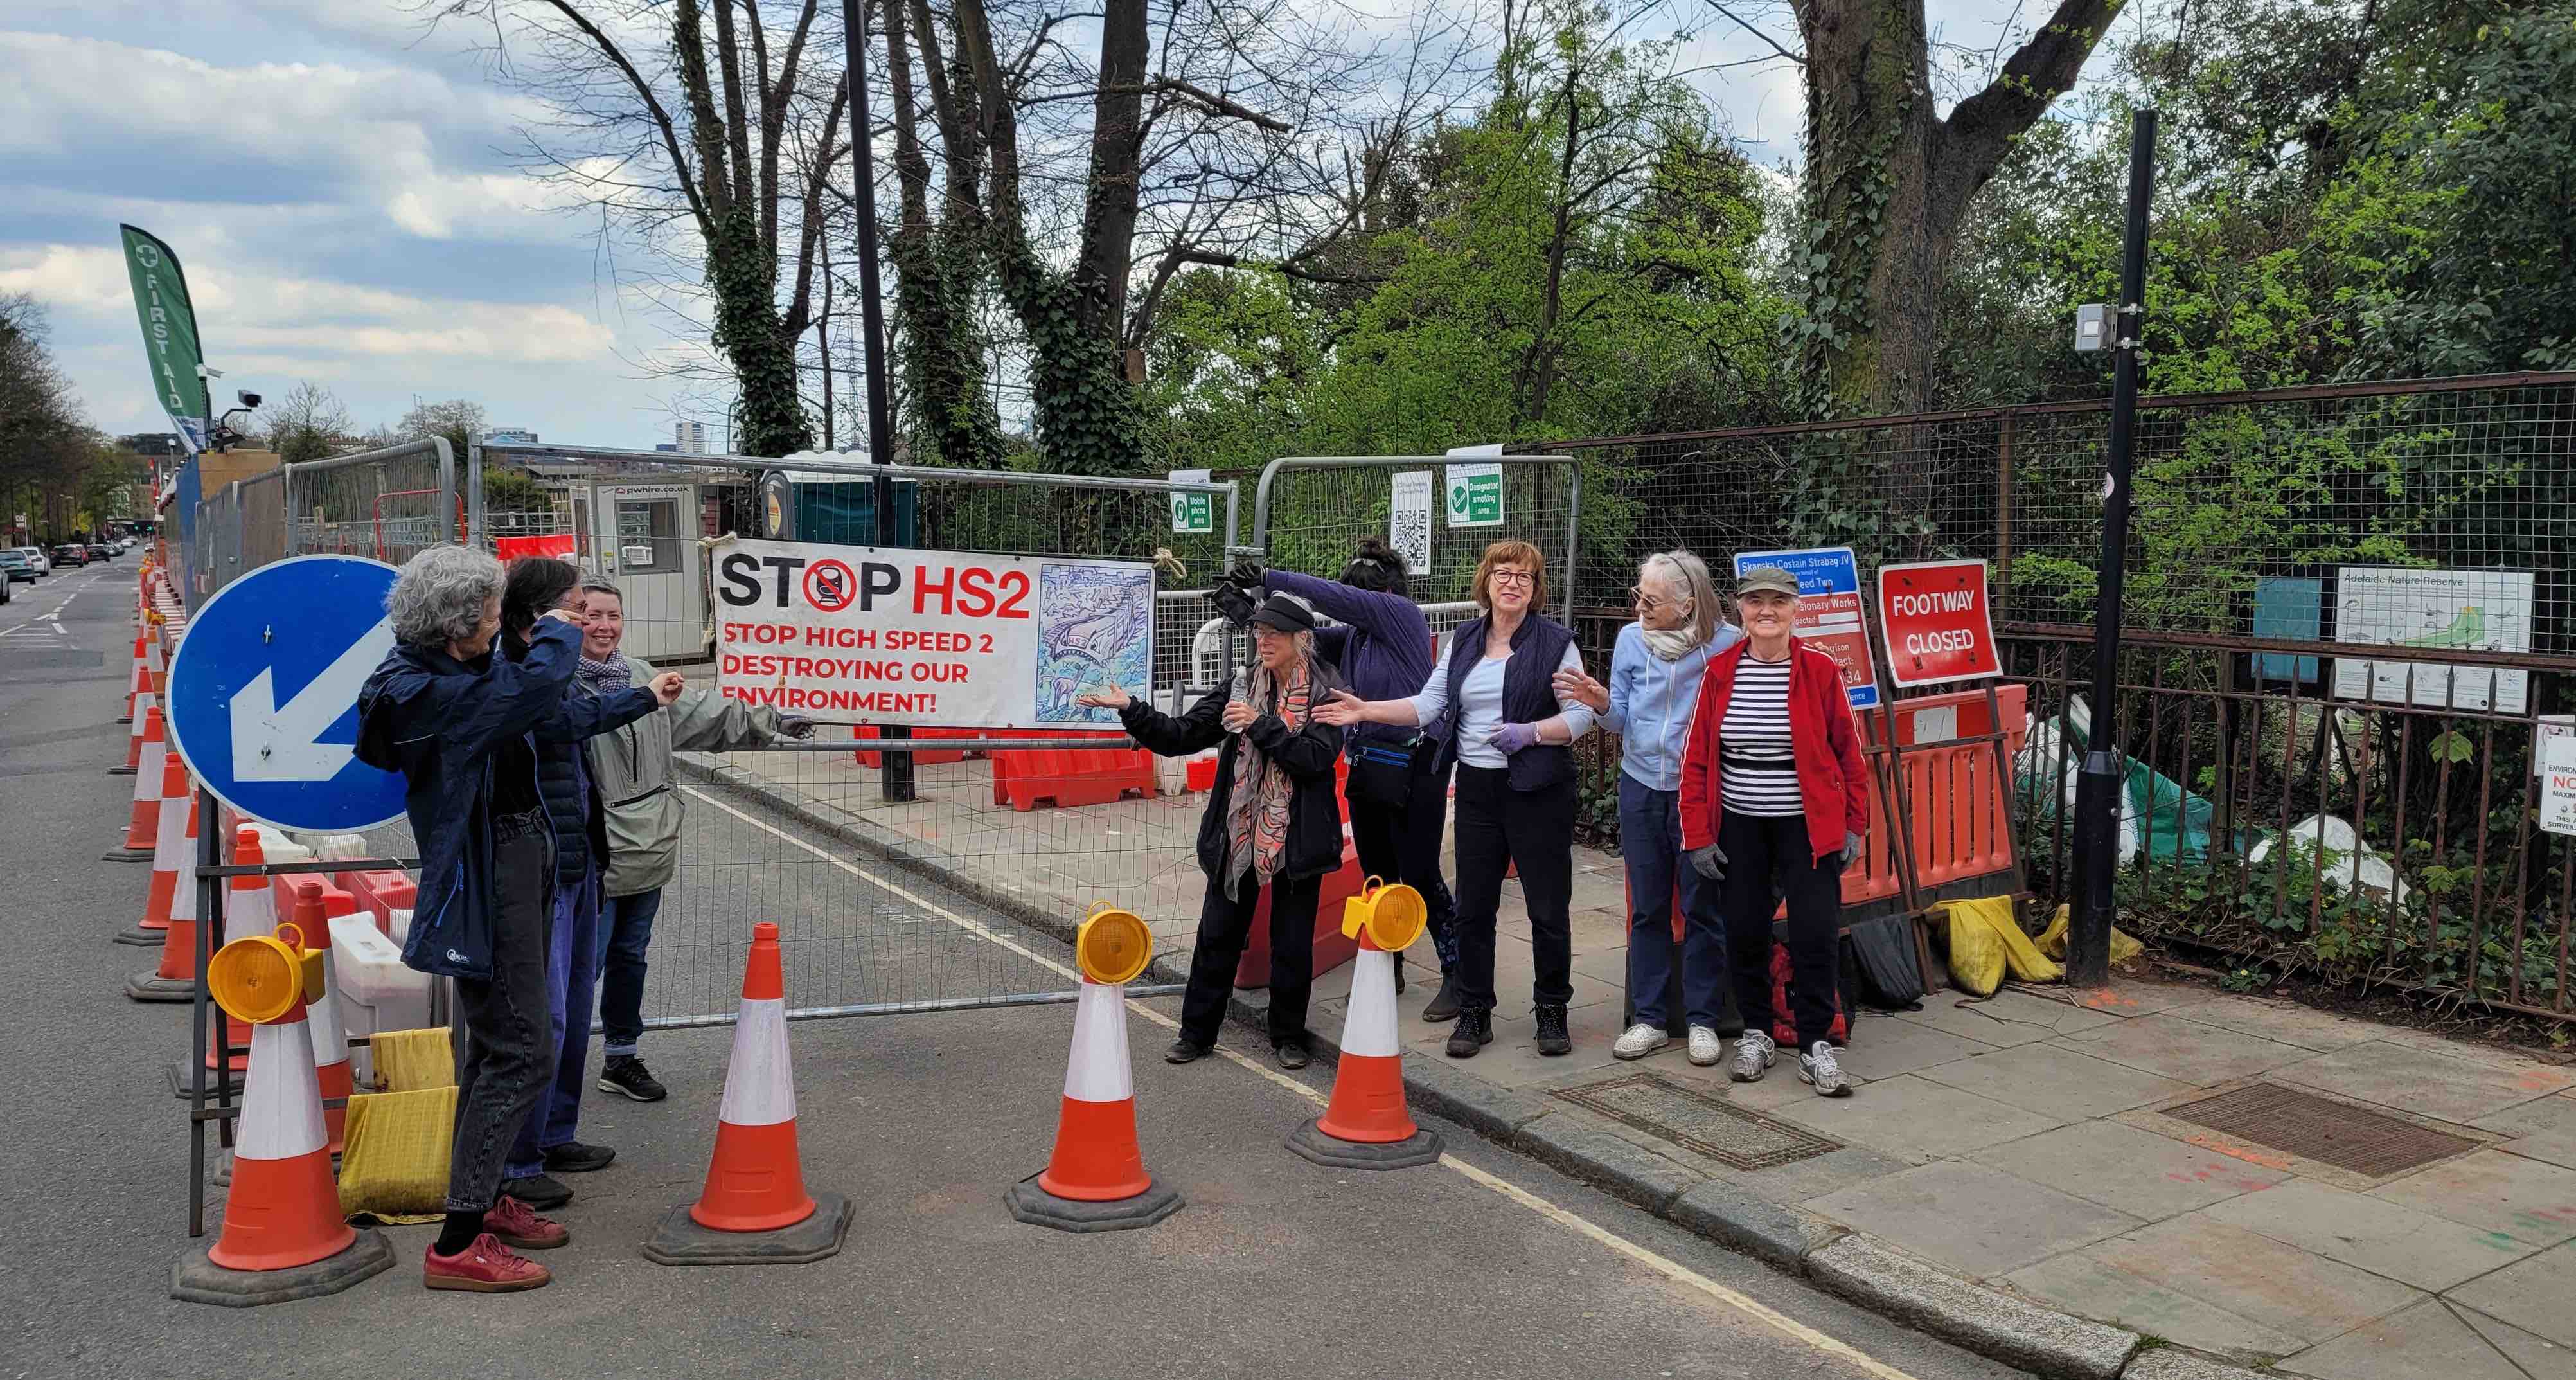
(1488, 1265)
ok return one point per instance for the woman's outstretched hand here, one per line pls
(1342, 710)
(667, 686)
(1106, 697)
(1572, 683)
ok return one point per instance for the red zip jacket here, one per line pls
(1832, 782)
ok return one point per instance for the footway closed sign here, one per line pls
(880, 635)
(1937, 623)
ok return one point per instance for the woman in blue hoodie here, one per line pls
(1654, 684)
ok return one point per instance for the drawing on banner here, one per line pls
(2440, 610)
(1095, 629)
(1408, 520)
(1829, 611)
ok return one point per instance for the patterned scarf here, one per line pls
(604, 677)
(1672, 644)
(1256, 814)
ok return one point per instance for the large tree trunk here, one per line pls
(1117, 145)
(935, 278)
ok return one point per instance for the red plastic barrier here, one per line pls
(380, 894)
(1956, 795)
(1069, 777)
(1331, 949)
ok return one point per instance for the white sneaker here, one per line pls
(1754, 1052)
(1639, 1041)
(1705, 1048)
(1819, 1067)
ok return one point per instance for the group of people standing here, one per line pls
(1741, 790)
(537, 764)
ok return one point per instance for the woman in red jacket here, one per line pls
(1774, 795)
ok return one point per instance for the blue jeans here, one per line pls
(572, 979)
(625, 932)
(1650, 842)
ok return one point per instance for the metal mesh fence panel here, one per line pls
(1311, 512)
(388, 504)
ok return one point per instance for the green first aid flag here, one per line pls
(169, 333)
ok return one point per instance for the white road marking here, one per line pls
(1663, 1265)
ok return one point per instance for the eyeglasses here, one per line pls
(1513, 576)
(1649, 602)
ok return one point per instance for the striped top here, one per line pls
(1755, 771)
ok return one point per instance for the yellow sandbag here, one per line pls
(411, 1060)
(2052, 941)
(1989, 933)
(393, 1164)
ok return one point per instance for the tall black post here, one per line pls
(894, 784)
(2099, 787)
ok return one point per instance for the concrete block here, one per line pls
(2366, 1231)
(2266, 1282)
(1909, 1117)
(2172, 1047)
(2053, 1080)
(2531, 1295)
(1580, 1147)
(2137, 1172)
(2284, 1021)
(2508, 1199)
(2170, 1363)
(2542, 1129)
(1970, 1218)
(2421, 1081)
(2425, 1340)
(1986, 1321)
(2083, 1284)
(1742, 1220)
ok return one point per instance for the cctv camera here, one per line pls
(248, 399)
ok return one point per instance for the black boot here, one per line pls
(1399, 974)
(1552, 1038)
(1474, 1031)
(1444, 1005)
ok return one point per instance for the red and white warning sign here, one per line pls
(1937, 623)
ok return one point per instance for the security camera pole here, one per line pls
(2098, 787)
(894, 784)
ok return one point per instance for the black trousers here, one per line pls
(507, 1061)
(1401, 843)
(1500, 828)
(1225, 923)
(1769, 858)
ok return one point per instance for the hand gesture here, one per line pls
(1573, 683)
(569, 616)
(1511, 738)
(1106, 697)
(1342, 710)
(666, 687)
(795, 726)
(1238, 716)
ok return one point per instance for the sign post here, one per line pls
(264, 694)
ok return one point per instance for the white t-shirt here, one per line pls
(1480, 705)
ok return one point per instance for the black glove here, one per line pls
(1248, 573)
(1709, 862)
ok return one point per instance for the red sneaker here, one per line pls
(486, 1267)
(518, 1225)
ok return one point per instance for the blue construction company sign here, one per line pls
(1829, 611)
(264, 693)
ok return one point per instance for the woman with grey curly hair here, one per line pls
(462, 723)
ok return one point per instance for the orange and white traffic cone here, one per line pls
(176, 978)
(283, 1236)
(143, 824)
(143, 702)
(1096, 1180)
(1367, 1125)
(250, 911)
(312, 923)
(173, 857)
(139, 680)
(755, 1210)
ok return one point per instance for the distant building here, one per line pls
(691, 437)
(668, 448)
(151, 443)
(511, 436)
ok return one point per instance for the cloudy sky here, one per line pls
(343, 189)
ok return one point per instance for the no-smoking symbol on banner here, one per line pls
(829, 586)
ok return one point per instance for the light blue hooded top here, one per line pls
(1651, 700)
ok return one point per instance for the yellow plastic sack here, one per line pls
(394, 1160)
(2052, 941)
(1986, 943)
(412, 1060)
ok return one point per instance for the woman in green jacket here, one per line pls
(641, 805)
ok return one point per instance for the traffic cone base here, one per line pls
(1366, 1125)
(679, 1240)
(197, 1279)
(1095, 1180)
(1039, 1208)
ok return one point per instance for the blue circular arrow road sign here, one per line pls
(264, 693)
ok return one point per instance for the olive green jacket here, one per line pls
(631, 769)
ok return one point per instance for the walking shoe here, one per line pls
(573, 1157)
(1474, 1031)
(1292, 1053)
(540, 1191)
(1753, 1053)
(625, 1075)
(1444, 1003)
(1552, 1039)
(1639, 1040)
(1183, 1051)
(1819, 1066)
(517, 1225)
(485, 1267)
(1705, 1046)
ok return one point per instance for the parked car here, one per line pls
(71, 557)
(36, 557)
(14, 569)
(101, 551)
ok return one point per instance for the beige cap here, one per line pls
(1766, 577)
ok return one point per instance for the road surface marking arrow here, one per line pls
(274, 744)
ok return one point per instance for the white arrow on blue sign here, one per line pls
(264, 693)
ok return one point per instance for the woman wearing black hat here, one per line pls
(1272, 821)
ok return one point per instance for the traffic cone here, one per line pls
(173, 857)
(1367, 1125)
(176, 978)
(312, 925)
(250, 910)
(755, 1210)
(283, 1237)
(139, 679)
(143, 702)
(144, 823)
(1096, 1180)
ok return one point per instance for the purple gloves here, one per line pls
(1511, 738)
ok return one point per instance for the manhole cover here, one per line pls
(2321, 1129)
(1698, 1122)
